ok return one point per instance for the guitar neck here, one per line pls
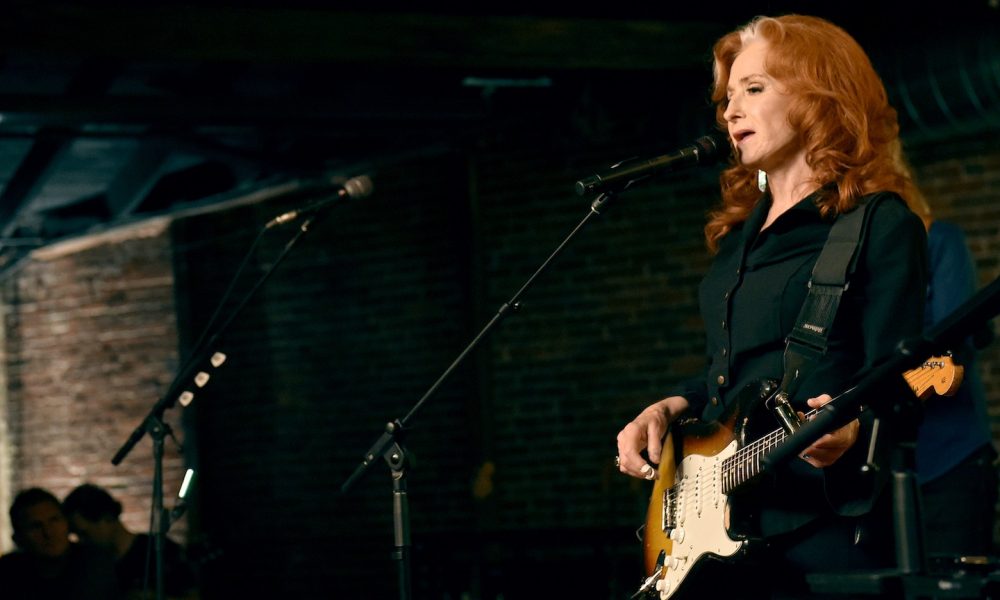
(938, 374)
(748, 461)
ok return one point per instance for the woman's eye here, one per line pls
(755, 89)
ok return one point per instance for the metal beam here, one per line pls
(29, 177)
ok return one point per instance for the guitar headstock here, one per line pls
(938, 374)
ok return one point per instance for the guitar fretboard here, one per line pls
(748, 460)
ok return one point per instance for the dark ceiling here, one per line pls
(112, 113)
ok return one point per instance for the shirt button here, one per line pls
(725, 351)
(715, 401)
(725, 296)
(723, 324)
(721, 379)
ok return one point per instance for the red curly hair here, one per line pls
(839, 109)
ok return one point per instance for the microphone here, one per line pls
(354, 188)
(705, 150)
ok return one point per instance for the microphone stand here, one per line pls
(910, 578)
(389, 446)
(153, 423)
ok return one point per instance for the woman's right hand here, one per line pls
(646, 432)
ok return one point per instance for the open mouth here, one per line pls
(739, 136)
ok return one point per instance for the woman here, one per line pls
(813, 136)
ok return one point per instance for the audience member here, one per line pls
(94, 516)
(46, 564)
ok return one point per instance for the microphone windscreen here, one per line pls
(359, 187)
(712, 147)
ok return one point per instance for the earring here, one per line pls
(761, 180)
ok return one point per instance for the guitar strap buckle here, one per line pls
(786, 414)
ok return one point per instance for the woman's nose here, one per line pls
(732, 109)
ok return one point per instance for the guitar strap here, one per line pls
(807, 343)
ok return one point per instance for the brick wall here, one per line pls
(91, 341)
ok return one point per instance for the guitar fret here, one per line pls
(748, 461)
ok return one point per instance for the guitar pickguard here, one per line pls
(688, 517)
(695, 510)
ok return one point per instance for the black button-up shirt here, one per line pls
(751, 297)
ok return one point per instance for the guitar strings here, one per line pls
(746, 462)
(751, 455)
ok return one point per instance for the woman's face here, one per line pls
(757, 113)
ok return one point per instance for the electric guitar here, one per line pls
(688, 515)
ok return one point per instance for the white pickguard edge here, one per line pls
(700, 508)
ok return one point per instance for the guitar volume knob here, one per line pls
(677, 534)
(663, 586)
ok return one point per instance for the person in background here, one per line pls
(95, 517)
(955, 453)
(956, 460)
(47, 565)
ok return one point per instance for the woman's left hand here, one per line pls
(826, 450)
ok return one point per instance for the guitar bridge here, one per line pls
(668, 519)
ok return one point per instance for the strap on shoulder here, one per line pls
(831, 275)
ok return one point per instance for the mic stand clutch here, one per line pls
(389, 446)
